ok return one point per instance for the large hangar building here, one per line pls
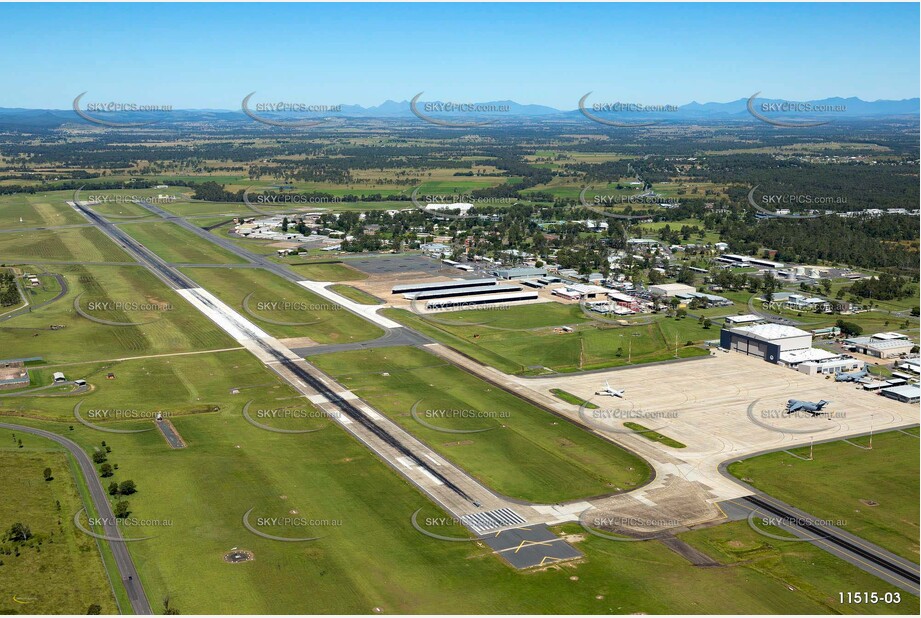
(767, 341)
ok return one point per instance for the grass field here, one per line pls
(655, 436)
(41, 210)
(164, 321)
(573, 399)
(116, 209)
(888, 475)
(59, 571)
(327, 271)
(198, 384)
(175, 244)
(373, 558)
(359, 296)
(521, 339)
(325, 321)
(802, 569)
(186, 208)
(84, 244)
(527, 453)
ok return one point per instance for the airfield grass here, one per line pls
(59, 571)
(532, 344)
(116, 209)
(526, 453)
(37, 210)
(460, 185)
(196, 384)
(167, 322)
(185, 208)
(887, 474)
(359, 296)
(655, 436)
(83, 244)
(573, 399)
(369, 555)
(327, 271)
(177, 245)
(324, 321)
(801, 569)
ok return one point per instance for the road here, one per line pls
(126, 569)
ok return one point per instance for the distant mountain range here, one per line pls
(851, 107)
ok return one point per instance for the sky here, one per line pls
(212, 55)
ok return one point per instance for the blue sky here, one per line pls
(212, 55)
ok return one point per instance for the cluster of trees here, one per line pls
(73, 185)
(676, 237)
(106, 470)
(300, 226)
(18, 533)
(886, 242)
(9, 293)
(884, 287)
(363, 242)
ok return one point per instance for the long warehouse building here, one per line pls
(465, 291)
(421, 286)
(476, 301)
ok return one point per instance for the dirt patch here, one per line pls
(736, 544)
(573, 538)
(237, 556)
(298, 342)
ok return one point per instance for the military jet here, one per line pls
(853, 377)
(813, 408)
(611, 392)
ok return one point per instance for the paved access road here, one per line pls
(126, 568)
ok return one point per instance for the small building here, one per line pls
(669, 290)
(435, 249)
(595, 278)
(587, 291)
(566, 293)
(748, 318)
(59, 377)
(815, 361)
(708, 300)
(909, 393)
(520, 273)
(881, 345)
(461, 207)
(798, 302)
(13, 374)
(910, 365)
